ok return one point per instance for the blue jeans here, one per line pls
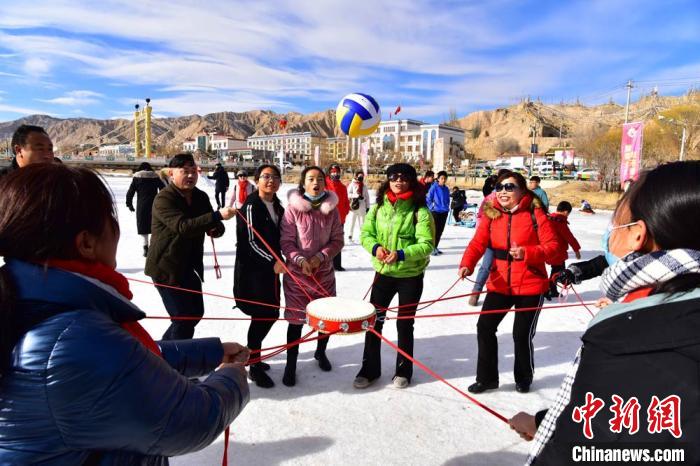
(484, 270)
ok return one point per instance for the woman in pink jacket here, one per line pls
(311, 236)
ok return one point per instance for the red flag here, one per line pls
(283, 123)
(398, 109)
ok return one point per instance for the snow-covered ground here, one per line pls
(323, 420)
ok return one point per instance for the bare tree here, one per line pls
(507, 146)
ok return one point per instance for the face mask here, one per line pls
(314, 198)
(335, 176)
(360, 178)
(609, 256)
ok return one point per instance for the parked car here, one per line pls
(522, 170)
(588, 174)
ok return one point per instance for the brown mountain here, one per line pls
(169, 133)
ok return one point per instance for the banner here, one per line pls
(317, 156)
(364, 157)
(631, 151)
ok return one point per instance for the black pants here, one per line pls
(523, 332)
(455, 213)
(183, 304)
(294, 333)
(552, 284)
(220, 202)
(440, 219)
(259, 329)
(338, 261)
(409, 290)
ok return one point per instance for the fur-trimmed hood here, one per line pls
(493, 210)
(146, 174)
(298, 202)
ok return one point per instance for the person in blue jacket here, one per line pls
(81, 382)
(439, 205)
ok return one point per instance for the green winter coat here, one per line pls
(399, 227)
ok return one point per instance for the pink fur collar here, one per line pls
(299, 203)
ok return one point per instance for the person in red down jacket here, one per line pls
(333, 184)
(560, 222)
(518, 231)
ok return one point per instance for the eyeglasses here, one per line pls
(268, 177)
(509, 187)
(398, 177)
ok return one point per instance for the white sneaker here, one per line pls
(400, 382)
(362, 382)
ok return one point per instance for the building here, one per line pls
(214, 143)
(299, 148)
(336, 148)
(116, 150)
(412, 141)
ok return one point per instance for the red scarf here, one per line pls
(110, 277)
(395, 197)
(637, 294)
(360, 188)
(242, 191)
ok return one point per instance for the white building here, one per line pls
(412, 139)
(219, 144)
(116, 150)
(298, 147)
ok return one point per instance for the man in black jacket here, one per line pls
(30, 144)
(221, 186)
(182, 214)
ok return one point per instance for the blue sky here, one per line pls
(89, 59)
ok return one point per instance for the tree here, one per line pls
(600, 145)
(507, 146)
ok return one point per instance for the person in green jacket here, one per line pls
(182, 214)
(400, 234)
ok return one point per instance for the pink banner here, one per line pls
(364, 157)
(317, 156)
(631, 151)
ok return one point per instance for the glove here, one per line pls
(367, 210)
(566, 277)
(131, 208)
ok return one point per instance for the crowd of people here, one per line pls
(81, 382)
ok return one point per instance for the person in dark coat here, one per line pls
(182, 214)
(145, 184)
(30, 144)
(644, 346)
(458, 199)
(81, 382)
(221, 186)
(256, 274)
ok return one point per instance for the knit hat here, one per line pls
(241, 173)
(402, 168)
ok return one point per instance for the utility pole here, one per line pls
(627, 107)
(533, 147)
(682, 145)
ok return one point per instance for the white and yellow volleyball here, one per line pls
(358, 115)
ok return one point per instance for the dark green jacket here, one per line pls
(178, 229)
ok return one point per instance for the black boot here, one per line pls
(338, 263)
(257, 374)
(290, 370)
(145, 251)
(320, 355)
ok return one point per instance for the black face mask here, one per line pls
(335, 176)
(360, 178)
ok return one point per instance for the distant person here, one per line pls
(335, 185)
(534, 186)
(30, 144)
(221, 185)
(81, 382)
(438, 200)
(241, 190)
(145, 184)
(459, 198)
(427, 179)
(560, 223)
(182, 215)
(586, 207)
(358, 194)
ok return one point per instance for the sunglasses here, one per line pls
(399, 177)
(509, 187)
(268, 177)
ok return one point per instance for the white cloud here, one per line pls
(37, 66)
(23, 110)
(75, 98)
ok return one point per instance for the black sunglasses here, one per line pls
(509, 187)
(399, 176)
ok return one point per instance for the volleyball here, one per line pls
(358, 115)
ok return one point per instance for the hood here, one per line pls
(299, 203)
(146, 174)
(493, 209)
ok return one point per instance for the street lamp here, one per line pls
(682, 154)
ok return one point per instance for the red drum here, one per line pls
(340, 315)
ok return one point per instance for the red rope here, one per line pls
(217, 268)
(227, 433)
(492, 311)
(439, 377)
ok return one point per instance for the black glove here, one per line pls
(566, 277)
(367, 210)
(131, 208)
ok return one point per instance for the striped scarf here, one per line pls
(648, 270)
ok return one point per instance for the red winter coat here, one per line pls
(566, 238)
(501, 230)
(341, 191)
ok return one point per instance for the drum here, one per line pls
(342, 316)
